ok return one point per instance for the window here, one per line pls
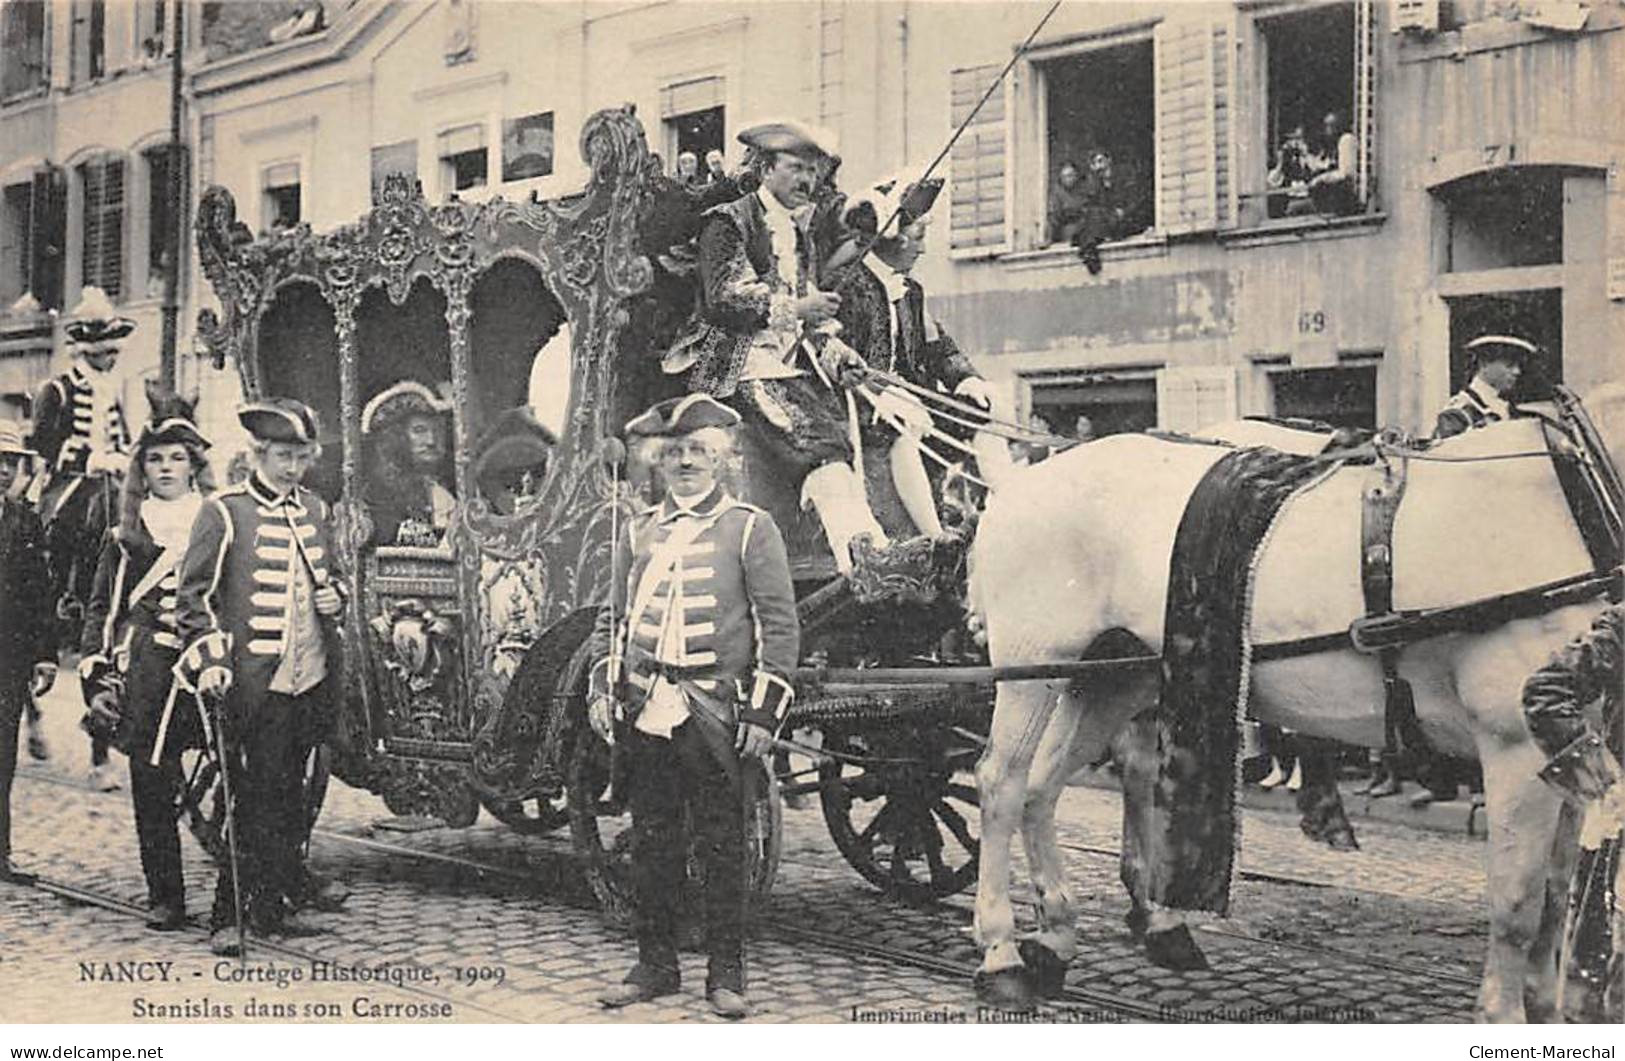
(1100, 127)
(280, 205)
(16, 236)
(102, 249)
(462, 155)
(1319, 111)
(527, 147)
(151, 22)
(89, 39)
(22, 43)
(160, 215)
(1345, 396)
(1505, 219)
(693, 114)
(1111, 404)
(400, 157)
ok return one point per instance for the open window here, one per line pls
(464, 161)
(1504, 219)
(281, 198)
(400, 157)
(1100, 404)
(161, 214)
(88, 40)
(1342, 396)
(1318, 119)
(693, 113)
(1099, 124)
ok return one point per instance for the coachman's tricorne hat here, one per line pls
(279, 420)
(679, 416)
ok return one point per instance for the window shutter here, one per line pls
(1191, 399)
(1365, 100)
(1224, 109)
(102, 257)
(1187, 146)
(976, 171)
(50, 236)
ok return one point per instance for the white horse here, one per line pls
(1103, 518)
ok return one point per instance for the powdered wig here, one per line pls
(718, 441)
(135, 483)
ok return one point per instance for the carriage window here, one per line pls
(463, 162)
(280, 200)
(527, 147)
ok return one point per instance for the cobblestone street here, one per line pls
(1394, 932)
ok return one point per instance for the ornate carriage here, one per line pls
(465, 668)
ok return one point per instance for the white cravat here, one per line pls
(781, 230)
(1492, 402)
(170, 522)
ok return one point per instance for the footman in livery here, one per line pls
(695, 653)
(257, 606)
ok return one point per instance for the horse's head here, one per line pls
(166, 404)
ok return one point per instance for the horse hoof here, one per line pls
(1173, 948)
(1137, 920)
(1047, 969)
(1005, 989)
(1342, 840)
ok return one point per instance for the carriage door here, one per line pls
(411, 609)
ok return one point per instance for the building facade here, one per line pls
(1477, 145)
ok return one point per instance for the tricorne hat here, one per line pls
(11, 439)
(1502, 348)
(94, 320)
(406, 398)
(279, 420)
(517, 440)
(794, 137)
(679, 416)
(899, 201)
(169, 430)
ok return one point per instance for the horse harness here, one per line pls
(1592, 487)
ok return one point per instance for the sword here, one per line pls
(215, 705)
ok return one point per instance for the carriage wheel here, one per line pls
(531, 817)
(202, 800)
(906, 827)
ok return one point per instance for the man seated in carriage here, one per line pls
(882, 317)
(763, 338)
(1499, 362)
(406, 427)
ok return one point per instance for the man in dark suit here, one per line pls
(27, 648)
(1499, 361)
(694, 654)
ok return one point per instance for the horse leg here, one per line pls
(1021, 713)
(1047, 955)
(1523, 816)
(1319, 802)
(1545, 975)
(1168, 942)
